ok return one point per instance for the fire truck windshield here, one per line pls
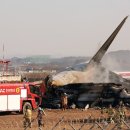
(34, 89)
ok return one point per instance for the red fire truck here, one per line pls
(16, 96)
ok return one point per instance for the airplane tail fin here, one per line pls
(100, 53)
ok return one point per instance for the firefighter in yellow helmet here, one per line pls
(27, 117)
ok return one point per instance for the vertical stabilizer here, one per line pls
(98, 56)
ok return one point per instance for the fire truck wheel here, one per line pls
(25, 105)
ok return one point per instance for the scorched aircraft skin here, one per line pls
(88, 81)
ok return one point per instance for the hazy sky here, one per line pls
(61, 27)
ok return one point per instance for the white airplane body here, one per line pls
(91, 71)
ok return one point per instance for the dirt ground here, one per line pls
(71, 118)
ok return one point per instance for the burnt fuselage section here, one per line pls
(82, 94)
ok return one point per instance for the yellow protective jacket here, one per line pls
(28, 114)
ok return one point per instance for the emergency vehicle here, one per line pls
(16, 96)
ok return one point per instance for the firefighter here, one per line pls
(111, 113)
(121, 114)
(118, 117)
(40, 117)
(122, 110)
(27, 117)
(64, 101)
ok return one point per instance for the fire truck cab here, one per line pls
(16, 96)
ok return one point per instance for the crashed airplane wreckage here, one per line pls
(89, 82)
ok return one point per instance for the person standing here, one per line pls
(121, 114)
(122, 110)
(27, 117)
(40, 117)
(111, 113)
(64, 101)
